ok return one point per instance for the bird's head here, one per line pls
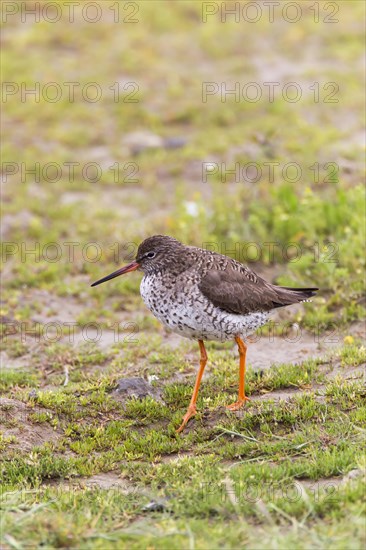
(153, 255)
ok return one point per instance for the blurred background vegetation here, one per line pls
(161, 140)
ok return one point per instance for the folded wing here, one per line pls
(239, 290)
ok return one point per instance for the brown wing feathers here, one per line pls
(243, 292)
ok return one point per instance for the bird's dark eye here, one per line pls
(150, 255)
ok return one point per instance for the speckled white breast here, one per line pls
(181, 306)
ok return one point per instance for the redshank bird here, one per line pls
(204, 295)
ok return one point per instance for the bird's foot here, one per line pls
(238, 404)
(190, 412)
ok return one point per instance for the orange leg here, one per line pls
(241, 397)
(192, 406)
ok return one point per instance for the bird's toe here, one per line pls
(190, 412)
(238, 404)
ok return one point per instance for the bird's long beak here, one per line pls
(126, 269)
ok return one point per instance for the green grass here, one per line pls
(257, 468)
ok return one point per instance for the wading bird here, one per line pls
(204, 295)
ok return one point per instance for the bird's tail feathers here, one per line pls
(290, 295)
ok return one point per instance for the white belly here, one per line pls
(191, 315)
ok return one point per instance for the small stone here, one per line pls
(353, 474)
(137, 142)
(175, 142)
(154, 506)
(134, 387)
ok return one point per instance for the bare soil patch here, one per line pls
(15, 422)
